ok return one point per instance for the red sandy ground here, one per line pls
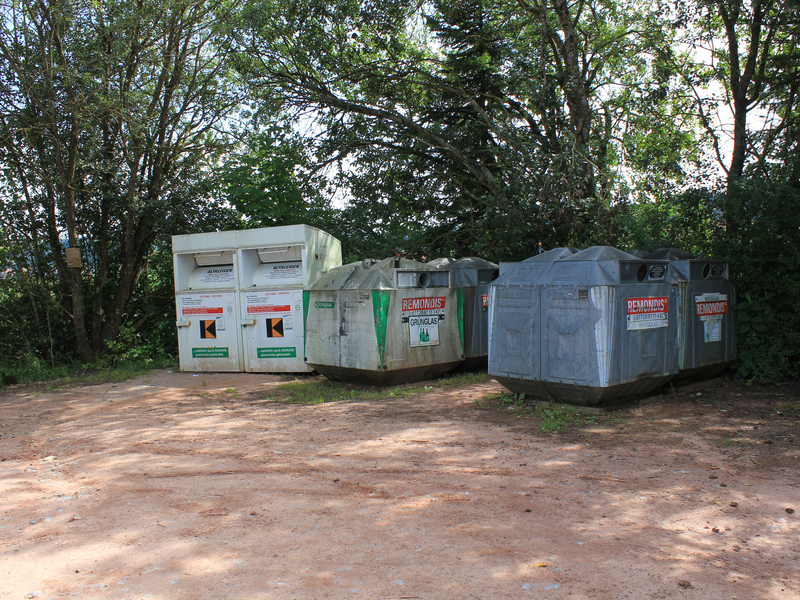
(164, 488)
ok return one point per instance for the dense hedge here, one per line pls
(756, 226)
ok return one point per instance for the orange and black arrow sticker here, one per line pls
(274, 327)
(208, 329)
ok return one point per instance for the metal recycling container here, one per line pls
(205, 272)
(592, 328)
(384, 322)
(512, 299)
(277, 264)
(706, 327)
(474, 275)
(441, 262)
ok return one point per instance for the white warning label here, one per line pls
(201, 304)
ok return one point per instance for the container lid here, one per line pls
(552, 255)
(669, 254)
(387, 274)
(531, 270)
(471, 262)
(601, 253)
(441, 262)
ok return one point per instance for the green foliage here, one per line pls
(33, 370)
(27, 369)
(762, 241)
(691, 221)
(269, 183)
(462, 128)
(755, 319)
(556, 418)
(106, 147)
(755, 226)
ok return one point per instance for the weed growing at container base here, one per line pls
(557, 418)
(464, 379)
(501, 401)
(551, 417)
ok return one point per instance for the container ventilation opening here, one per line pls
(212, 259)
(280, 254)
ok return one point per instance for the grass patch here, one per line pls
(789, 407)
(556, 418)
(321, 391)
(464, 379)
(735, 443)
(36, 372)
(504, 400)
(552, 417)
(611, 420)
(102, 375)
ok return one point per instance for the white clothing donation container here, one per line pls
(276, 265)
(206, 300)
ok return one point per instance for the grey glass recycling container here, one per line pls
(474, 275)
(513, 299)
(441, 262)
(388, 322)
(706, 327)
(593, 328)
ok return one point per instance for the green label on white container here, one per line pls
(209, 353)
(287, 352)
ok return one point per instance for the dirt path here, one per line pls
(171, 487)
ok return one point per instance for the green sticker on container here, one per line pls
(460, 303)
(323, 305)
(209, 353)
(380, 312)
(306, 303)
(288, 352)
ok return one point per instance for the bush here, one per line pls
(755, 226)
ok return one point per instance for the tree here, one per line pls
(112, 114)
(747, 49)
(478, 126)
